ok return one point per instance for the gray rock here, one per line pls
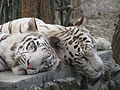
(64, 78)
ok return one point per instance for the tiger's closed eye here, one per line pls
(31, 46)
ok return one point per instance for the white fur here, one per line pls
(51, 30)
(11, 51)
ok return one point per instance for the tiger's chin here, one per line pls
(93, 79)
(98, 75)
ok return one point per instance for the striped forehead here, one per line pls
(29, 38)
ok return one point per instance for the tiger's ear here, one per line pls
(55, 43)
(32, 26)
(79, 21)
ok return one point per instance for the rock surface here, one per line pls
(64, 78)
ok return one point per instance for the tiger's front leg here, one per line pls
(18, 70)
(2, 67)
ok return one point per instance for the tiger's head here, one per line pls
(33, 54)
(78, 48)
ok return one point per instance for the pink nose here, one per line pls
(30, 66)
(100, 68)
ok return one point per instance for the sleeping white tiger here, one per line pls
(26, 53)
(72, 44)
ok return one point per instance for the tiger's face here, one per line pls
(81, 48)
(80, 51)
(34, 55)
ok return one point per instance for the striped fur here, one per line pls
(78, 47)
(79, 50)
(26, 53)
(20, 25)
(24, 25)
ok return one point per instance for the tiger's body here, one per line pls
(25, 25)
(26, 53)
(76, 46)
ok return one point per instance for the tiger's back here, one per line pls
(21, 25)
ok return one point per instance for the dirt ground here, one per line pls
(101, 16)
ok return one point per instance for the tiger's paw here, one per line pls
(18, 71)
(31, 72)
(2, 68)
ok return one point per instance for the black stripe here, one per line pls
(78, 49)
(66, 29)
(20, 29)
(70, 29)
(59, 28)
(72, 32)
(1, 28)
(70, 42)
(70, 61)
(4, 62)
(27, 40)
(75, 46)
(93, 41)
(71, 54)
(80, 35)
(74, 28)
(35, 24)
(60, 34)
(10, 27)
(66, 39)
(76, 31)
(3, 37)
(25, 37)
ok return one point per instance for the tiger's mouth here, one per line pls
(30, 66)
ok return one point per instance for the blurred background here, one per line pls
(100, 15)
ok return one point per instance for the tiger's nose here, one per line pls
(100, 68)
(30, 66)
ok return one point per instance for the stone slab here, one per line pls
(10, 81)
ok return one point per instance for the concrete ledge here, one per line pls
(10, 81)
(63, 76)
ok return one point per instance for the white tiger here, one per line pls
(26, 53)
(72, 44)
